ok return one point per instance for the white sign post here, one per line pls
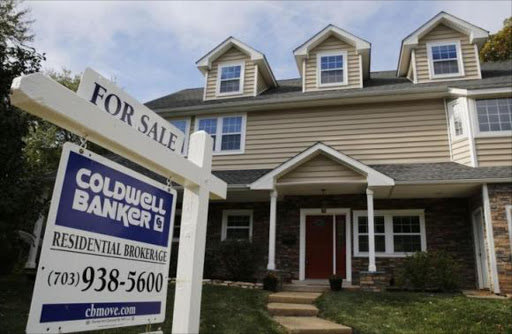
(43, 97)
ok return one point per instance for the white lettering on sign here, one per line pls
(111, 99)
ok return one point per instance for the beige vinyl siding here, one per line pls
(440, 33)
(410, 73)
(321, 169)
(494, 151)
(461, 152)
(261, 84)
(330, 44)
(232, 54)
(387, 133)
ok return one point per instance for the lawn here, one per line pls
(405, 312)
(224, 310)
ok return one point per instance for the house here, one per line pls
(347, 171)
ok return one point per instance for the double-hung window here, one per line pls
(184, 126)
(332, 68)
(228, 132)
(494, 116)
(457, 120)
(230, 78)
(236, 225)
(445, 59)
(397, 233)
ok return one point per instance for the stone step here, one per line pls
(297, 310)
(293, 297)
(311, 325)
(305, 288)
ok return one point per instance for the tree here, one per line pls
(499, 46)
(18, 204)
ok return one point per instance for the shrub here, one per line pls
(435, 270)
(210, 262)
(270, 282)
(335, 282)
(240, 259)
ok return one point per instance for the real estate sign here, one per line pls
(106, 249)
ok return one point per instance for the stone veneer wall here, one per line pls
(447, 223)
(500, 195)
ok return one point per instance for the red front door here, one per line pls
(319, 246)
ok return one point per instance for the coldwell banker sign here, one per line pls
(106, 249)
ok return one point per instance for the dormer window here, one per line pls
(331, 69)
(445, 59)
(230, 79)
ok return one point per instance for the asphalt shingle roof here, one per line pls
(498, 74)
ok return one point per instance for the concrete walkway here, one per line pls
(297, 314)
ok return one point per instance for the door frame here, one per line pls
(348, 240)
(478, 232)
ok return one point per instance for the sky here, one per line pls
(150, 48)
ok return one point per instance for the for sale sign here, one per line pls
(106, 249)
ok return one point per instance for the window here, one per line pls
(184, 126)
(228, 132)
(397, 233)
(230, 78)
(494, 115)
(177, 227)
(456, 112)
(331, 68)
(236, 225)
(445, 59)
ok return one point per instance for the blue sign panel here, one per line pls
(100, 199)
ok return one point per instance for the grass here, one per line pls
(406, 312)
(224, 310)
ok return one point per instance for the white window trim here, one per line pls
(388, 223)
(460, 62)
(319, 56)
(174, 238)
(451, 113)
(226, 213)
(187, 134)
(476, 126)
(218, 144)
(240, 63)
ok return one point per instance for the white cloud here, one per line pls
(151, 47)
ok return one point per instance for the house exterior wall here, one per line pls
(232, 54)
(500, 195)
(441, 33)
(261, 84)
(447, 223)
(494, 151)
(332, 44)
(399, 132)
(461, 152)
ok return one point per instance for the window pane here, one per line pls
(406, 224)
(182, 126)
(363, 224)
(239, 221)
(407, 243)
(237, 234)
(457, 123)
(494, 114)
(230, 72)
(332, 76)
(379, 224)
(446, 67)
(228, 86)
(209, 125)
(363, 243)
(230, 142)
(232, 124)
(380, 243)
(331, 62)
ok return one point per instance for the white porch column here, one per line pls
(34, 247)
(371, 232)
(272, 232)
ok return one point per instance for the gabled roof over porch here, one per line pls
(321, 164)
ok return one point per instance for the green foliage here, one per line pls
(499, 46)
(240, 258)
(435, 270)
(270, 282)
(19, 203)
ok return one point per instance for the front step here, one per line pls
(305, 288)
(297, 310)
(293, 297)
(311, 325)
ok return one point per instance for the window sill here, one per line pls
(218, 94)
(505, 133)
(228, 153)
(384, 255)
(447, 76)
(341, 84)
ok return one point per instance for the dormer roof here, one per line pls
(362, 47)
(204, 64)
(476, 35)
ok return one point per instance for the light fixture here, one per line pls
(323, 205)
